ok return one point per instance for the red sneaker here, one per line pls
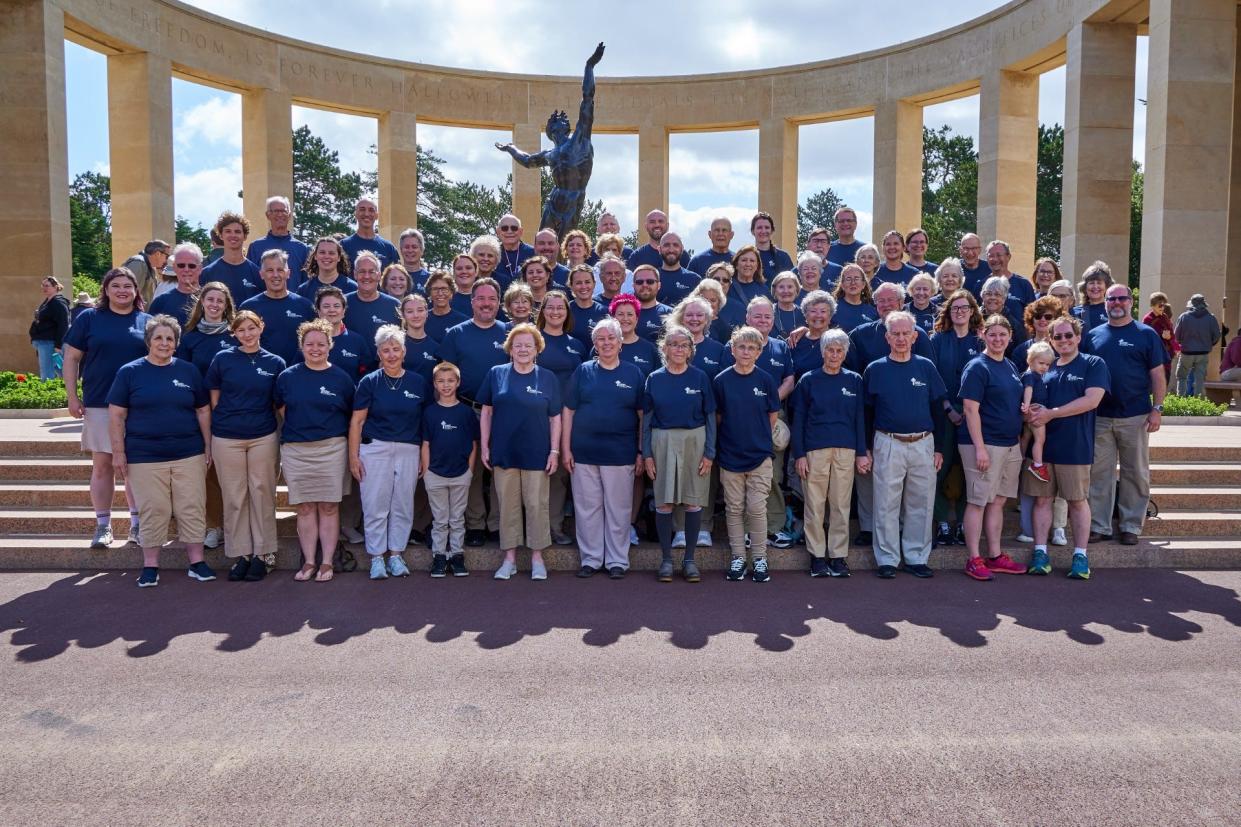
(977, 569)
(1005, 565)
(1040, 472)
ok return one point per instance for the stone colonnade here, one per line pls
(1191, 236)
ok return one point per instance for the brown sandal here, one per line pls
(308, 570)
(325, 573)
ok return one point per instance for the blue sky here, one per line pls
(711, 173)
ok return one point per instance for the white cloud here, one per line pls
(203, 194)
(216, 120)
(352, 136)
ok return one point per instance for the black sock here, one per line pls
(663, 527)
(693, 524)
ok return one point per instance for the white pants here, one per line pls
(602, 498)
(904, 482)
(387, 493)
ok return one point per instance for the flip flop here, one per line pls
(325, 573)
(307, 571)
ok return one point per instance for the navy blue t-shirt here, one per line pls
(924, 318)
(651, 321)
(1092, 315)
(475, 351)
(849, 316)
(869, 342)
(281, 318)
(902, 394)
(703, 261)
(242, 280)
(309, 289)
(678, 400)
(902, 275)
(296, 250)
(1070, 439)
(828, 412)
(450, 431)
(437, 326)
(776, 360)
(378, 245)
(161, 424)
(522, 404)
(786, 321)
(641, 353)
(731, 317)
(976, 277)
(247, 384)
(1021, 289)
(585, 319)
(201, 348)
(560, 276)
(507, 268)
(393, 407)
(418, 280)
(675, 285)
(1130, 352)
(646, 254)
(807, 356)
(709, 356)
(421, 356)
(1038, 391)
(365, 318)
(317, 403)
(744, 405)
(352, 354)
(951, 353)
(173, 303)
(775, 261)
(561, 355)
(840, 254)
(593, 258)
(997, 389)
(605, 420)
(928, 267)
(107, 341)
(462, 303)
(743, 293)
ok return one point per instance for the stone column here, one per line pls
(266, 151)
(1231, 314)
(652, 174)
(398, 173)
(898, 167)
(140, 151)
(1008, 163)
(777, 179)
(1188, 149)
(1098, 147)
(527, 189)
(34, 161)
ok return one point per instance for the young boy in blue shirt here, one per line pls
(449, 443)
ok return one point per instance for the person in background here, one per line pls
(187, 262)
(854, 306)
(1093, 309)
(726, 316)
(869, 259)
(720, 234)
(449, 448)
(561, 354)
(536, 273)
(586, 312)
(921, 290)
(1046, 273)
(656, 224)
(519, 303)
(160, 427)
(1063, 290)
(1198, 332)
(809, 273)
(844, 249)
(109, 335)
(442, 316)
(146, 267)
(1159, 319)
(513, 251)
(366, 308)
(613, 279)
(279, 213)
(395, 282)
(785, 290)
(547, 245)
(1020, 288)
(48, 329)
(83, 303)
(916, 243)
(1230, 364)
(420, 348)
(894, 269)
(676, 281)
(366, 212)
(464, 274)
(607, 225)
(412, 244)
(217, 247)
(748, 280)
(240, 275)
(350, 352)
(328, 266)
(282, 312)
(974, 269)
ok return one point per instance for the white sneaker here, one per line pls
(633, 536)
(214, 538)
(678, 540)
(351, 535)
(1024, 538)
(1058, 538)
(506, 570)
(704, 539)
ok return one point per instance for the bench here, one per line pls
(1221, 392)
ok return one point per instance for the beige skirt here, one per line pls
(316, 472)
(677, 453)
(96, 437)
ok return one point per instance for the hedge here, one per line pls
(22, 390)
(1174, 405)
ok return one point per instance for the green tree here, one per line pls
(195, 233)
(818, 211)
(323, 196)
(1136, 190)
(1050, 196)
(90, 223)
(949, 189)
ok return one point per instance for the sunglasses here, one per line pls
(1119, 299)
(186, 265)
(645, 281)
(1045, 317)
(509, 228)
(1060, 337)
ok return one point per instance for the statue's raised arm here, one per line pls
(586, 114)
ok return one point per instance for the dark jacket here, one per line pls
(51, 320)
(1197, 331)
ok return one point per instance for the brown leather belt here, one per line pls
(906, 437)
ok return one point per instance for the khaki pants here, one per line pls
(215, 497)
(519, 491)
(163, 490)
(904, 483)
(745, 508)
(1124, 441)
(775, 496)
(828, 486)
(557, 493)
(865, 484)
(247, 470)
(602, 497)
(477, 515)
(387, 508)
(447, 497)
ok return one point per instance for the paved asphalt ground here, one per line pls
(1019, 701)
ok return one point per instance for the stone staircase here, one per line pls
(46, 518)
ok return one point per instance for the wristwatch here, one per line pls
(1158, 408)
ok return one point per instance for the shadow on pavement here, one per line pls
(97, 609)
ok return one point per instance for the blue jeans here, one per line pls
(47, 368)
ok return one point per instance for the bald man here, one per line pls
(513, 251)
(366, 238)
(656, 225)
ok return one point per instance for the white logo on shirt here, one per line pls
(759, 392)
(847, 392)
(344, 352)
(623, 386)
(1127, 343)
(971, 351)
(569, 349)
(709, 361)
(498, 345)
(447, 426)
(534, 391)
(913, 380)
(775, 364)
(409, 395)
(291, 315)
(247, 283)
(325, 392)
(261, 372)
(428, 356)
(692, 391)
(1074, 378)
(177, 383)
(377, 320)
(640, 360)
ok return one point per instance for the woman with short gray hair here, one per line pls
(817, 307)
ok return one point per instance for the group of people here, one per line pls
(476, 402)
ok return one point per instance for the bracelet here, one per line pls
(555, 451)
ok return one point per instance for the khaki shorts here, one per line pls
(1069, 482)
(1002, 479)
(95, 435)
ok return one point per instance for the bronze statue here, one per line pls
(571, 157)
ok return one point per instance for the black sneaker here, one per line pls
(239, 569)
(958, 538)
(736, 569)
(586, 571)
(475, 537)
(838, 567)
(818, 567)
(886, 572)
(439, 566)
(417, 538)
(943, 537)
(148, 578)
(919, 570)
(616, 573)
(493, 536)
(759, 573)
(863, 538)
(456, 564)
(201, 572)
(257, 569)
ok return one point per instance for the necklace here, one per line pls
(394, 386)
(511, 264)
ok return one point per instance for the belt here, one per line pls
(907, 437)
(474, 406)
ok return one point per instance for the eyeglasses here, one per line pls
(724, 280)
(1045, 317)
(1119, 299)
(678, 345)
(186, 265)
(645, 281)
(961, 308)
(509, 228)
(1060, 337)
